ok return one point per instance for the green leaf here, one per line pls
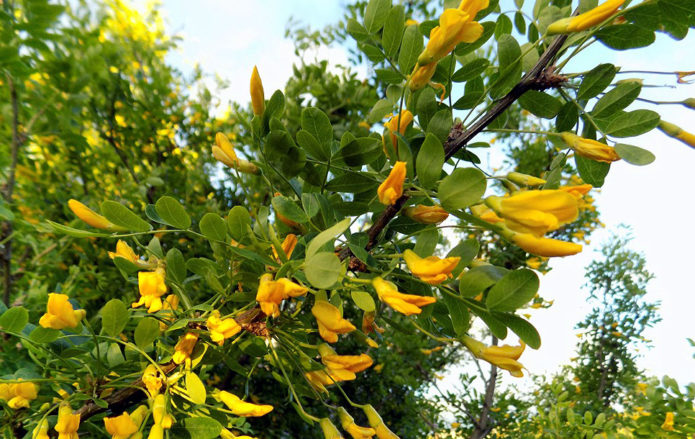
(471, 70)
(466, 250)
(196, 428)
(440, 124)
(617, 99)
(497, 327)
(44, 335)
(195, 388)
(411, 47)
(5, 213)
(283, 154)
(462, 188)
(426, 242)
(393, 30)
(503, 26)
(380, 110)
(360, 151)
(634, 154)
(173, 213)
(77, 233)
(311, 204)
(633, 123)
(121, 216)
(458, 313)
(213, 227)
(596, 81)
(238, 222)
(477, 279)
(540, 104)
(430, 161)
(327, 236)
(114, 357)
(352, 182)
(375, 14)
(356, 30)
(14, 319)
(146, 332)
(514, 290)
(509, 54)
(591, 171)
(323, 269)
(289, 209)
(176, 265)
(114, 317)
(316, 123)
(522, 328)
(312, 146)
(625, 36)
(363, 300)
(567, 117)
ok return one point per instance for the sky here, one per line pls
(228, 38)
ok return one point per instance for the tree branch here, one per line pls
(540, 77)
(482, 427)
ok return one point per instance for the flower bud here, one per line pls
(426, 214)
(330, 431)
(257, 95)
(586, 20)
(524, 179)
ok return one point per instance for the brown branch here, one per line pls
(540, 77)
(482, 427)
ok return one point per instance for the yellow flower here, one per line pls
(392, 188)
(577, 191)
(319, 379)
(590, 149)
(503, 357)
(60, 314)
(524, 179)
(330, 321)
(288, 246)
(586, 20)
(224, 152)
(68, 423)
(545, 247)
(151, 379)
(329, 430)
(91, 217)
(160, 416)
(421, 76)
(431, 269)
(152, 287)
(677, 133)
(375, 421)
(411, 22)
(343, 367)
(18, 395)
(226, 434)
(184, 347)
(221, 329)
(242, 408)
(368, 324)
(257, 98)
(403, 303)
(120, 427)
(642, 388)
(455, 26)
(156, 432)
(41, 430)
(397, 124)
(426, 214)
(124, 251)
(272, 292)
(535, 211)
(485, 213)
(668, 422)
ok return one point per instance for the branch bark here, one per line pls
(482, 427)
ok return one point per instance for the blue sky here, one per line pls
(229, 37)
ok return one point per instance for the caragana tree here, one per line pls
(330, 254)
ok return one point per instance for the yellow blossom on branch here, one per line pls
(272, 292)
(41, 430)
(668, 422)
(257, 95)
(586, 20)
(68, 423)
(184, 347)
(375, 421)
(426, 214)
(535, 211)
(18, 395)
(392, 188)
(329, 430)
(224, 152)
(221, 329)
(152, 287)
(524, 179)
(590, 149)
(151, 379)
(397, 124)
(242, 408)
(677, 133)
(503, 357)
(403, 303)
(421, 76)
(288, 245)
(120, 427)
(60, 314)
(330, 321)
(123, 250)
(349, 425)
(343, 367)
(431, 269)
(162, 419)
(545, 247)
(91, 217)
